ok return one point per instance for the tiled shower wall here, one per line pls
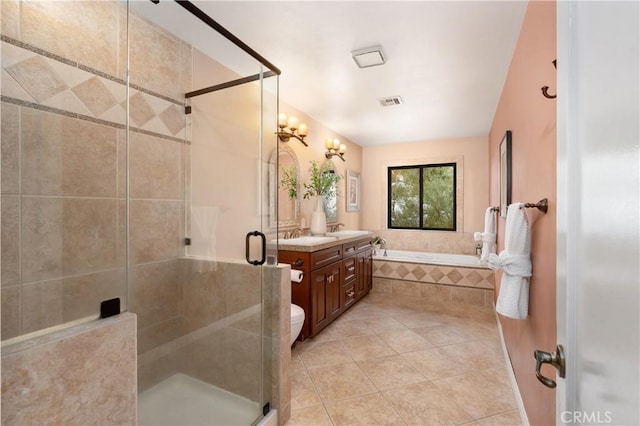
(64, 164)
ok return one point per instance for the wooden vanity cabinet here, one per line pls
(334, 279)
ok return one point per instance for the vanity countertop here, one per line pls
(323, 243)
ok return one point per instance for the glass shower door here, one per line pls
(195, 219)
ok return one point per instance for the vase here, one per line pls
(318, 218)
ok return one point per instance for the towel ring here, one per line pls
(495, 209)
(542, 205)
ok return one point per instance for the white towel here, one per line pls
(515, 262)
(488, 237)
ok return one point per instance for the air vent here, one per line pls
(390, 101)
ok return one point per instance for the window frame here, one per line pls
(420, 167)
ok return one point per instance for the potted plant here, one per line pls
(289, 181)
(323, 183)
(377, 242)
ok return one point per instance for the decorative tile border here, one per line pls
(35, 78)
(437, 274)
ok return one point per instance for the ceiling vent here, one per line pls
(390, 101)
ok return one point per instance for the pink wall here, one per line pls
(532, 119)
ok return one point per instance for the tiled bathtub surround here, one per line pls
(50, 379)
(438, 283)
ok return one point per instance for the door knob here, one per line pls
(556, 359)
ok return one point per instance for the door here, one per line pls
(597, 283)
(319, 311)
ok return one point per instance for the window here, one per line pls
(422, 197)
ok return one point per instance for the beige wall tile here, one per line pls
(205, 358)
(36, 77)
(10, 236)
(42, 238)
(10, 146)
(154, 230)
(10, 298)
(45, 382)
(381, 285)
(243, 364)
(243, 286)
(204, 293)
(435, 293)
(10, 10)
(85, 32)
(155, 292)
(153, 370)
(155, 167)
(89, 230)
(153, 48)
(81, 295)
(406, 288)
(158, 334)
(41, 305)
(472, 296)
(66, 156)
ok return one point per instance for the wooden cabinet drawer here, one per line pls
(350, 265)
(363, 244)
(325, 257)
(349, 248)
(348, 295)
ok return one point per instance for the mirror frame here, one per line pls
(274, 181)
(331, 219)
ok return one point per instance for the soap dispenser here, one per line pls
(478, 250)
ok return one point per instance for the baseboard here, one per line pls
(514, 384)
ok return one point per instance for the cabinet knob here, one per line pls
(351, 293)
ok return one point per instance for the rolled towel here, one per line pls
(515, 262)
(296, 276)
(488, 237)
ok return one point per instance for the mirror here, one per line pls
(283, 167)
(331, 203)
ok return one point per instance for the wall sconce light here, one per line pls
(334, 147)
(291, 123)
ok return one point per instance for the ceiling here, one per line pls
(448, 60)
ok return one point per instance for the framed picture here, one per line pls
(353, 191)
(505, 173)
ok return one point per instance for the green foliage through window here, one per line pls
(422, 197)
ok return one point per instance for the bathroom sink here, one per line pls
(347, 233)
(305, 241)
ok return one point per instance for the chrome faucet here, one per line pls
(294, 233)
(336, 227)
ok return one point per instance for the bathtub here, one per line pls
(430, 258)
(439, 277)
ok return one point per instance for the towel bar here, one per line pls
(495, 209)
(542, 205)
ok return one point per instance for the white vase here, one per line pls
(318, 218)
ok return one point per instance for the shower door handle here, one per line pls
(263, 247)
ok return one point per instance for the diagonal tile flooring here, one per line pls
(395, 360)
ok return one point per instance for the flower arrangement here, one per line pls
(324, 181)
(378, 240)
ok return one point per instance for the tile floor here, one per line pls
(395, 360)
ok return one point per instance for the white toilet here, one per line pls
(297, 319)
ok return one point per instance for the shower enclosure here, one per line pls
(135, 140)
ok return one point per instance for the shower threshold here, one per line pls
(183, 400)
